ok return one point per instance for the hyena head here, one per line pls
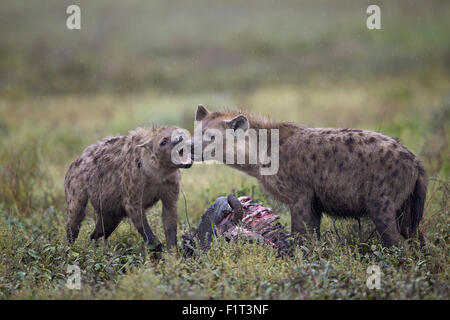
(216, 135)
(167, 148)
(248, 144)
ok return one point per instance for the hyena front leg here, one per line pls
(304, 218)
(384, 216)
(139, 219)
(170, 219)
(169, 201)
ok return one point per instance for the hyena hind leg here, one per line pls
(384, 217)
(305, 217)
(76, 205)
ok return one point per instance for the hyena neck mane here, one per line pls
(144, 134)
(258, 122)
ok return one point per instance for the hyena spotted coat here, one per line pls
(347, 173)
(122, 176)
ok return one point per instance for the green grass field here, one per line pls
(134, 64)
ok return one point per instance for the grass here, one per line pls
(311, 62)
(36, 151)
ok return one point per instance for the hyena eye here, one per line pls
(163, 143)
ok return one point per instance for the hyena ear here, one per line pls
(240, 122)
(201, 112)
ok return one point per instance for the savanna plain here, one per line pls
(144, 63)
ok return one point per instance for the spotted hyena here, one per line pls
(122, 176)
(346, 173)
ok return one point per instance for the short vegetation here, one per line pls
(137, 64)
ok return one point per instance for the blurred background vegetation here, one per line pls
(214, 45)
(141, 62)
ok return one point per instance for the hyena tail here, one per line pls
(414, 208)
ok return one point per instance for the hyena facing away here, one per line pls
(122, 176)
(346, 173)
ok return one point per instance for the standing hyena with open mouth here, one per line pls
(346, 173)
(123, 176)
